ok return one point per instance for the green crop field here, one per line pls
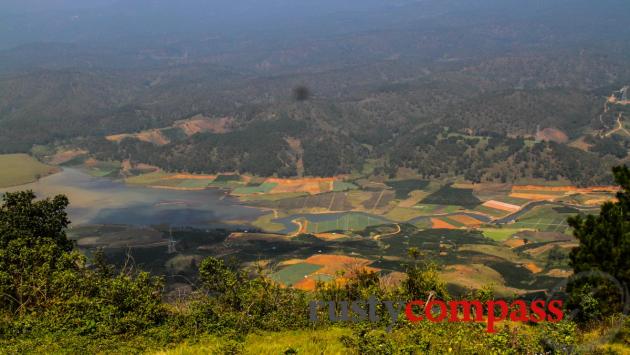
(194, 183)
(499, 234)
(452, 222)
(343, 186)
(490, 211)
(147, 179)
(346, 222)
(544, 219)
(448, 195)
(20, 169)
(294, 273)
(266, 223)
(263, 188)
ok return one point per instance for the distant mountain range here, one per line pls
(444, 88)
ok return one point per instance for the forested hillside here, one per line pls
(487, 90)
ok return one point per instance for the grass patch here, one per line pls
(512, 200)
(545, 219)
(267, 224)
(494, 250)
(322, 341)
(345, 222)
(273, 197)
(401, 214)
(227, 178)
(103, 168)
(339, 186)
(452, 222)
(490, 211)
(263, 188)
(147, 179)
(500, 234)
(294, 273)
(426, 209)
(194, 183)
(20, 169)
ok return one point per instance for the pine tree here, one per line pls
(604, 250)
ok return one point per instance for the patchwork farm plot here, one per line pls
(546, 219)
(404, 187)
(513, 237)
(449, 195)
(160, 179)
(345, 222)
(304, 274)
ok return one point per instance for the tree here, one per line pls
(604, 249)
(33, 246)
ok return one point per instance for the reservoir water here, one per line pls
(96, 200)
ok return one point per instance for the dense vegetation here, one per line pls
(53, 299)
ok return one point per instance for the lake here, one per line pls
(96, 200)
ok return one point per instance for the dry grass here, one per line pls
(567, 189)
(414, 198)
(581, 144)
(19, 169)
(200, 123)
(477, 276)
(553, 135)
(331, 236)
(542, 249)
(154, 136)
(64, 156)
(332, 264)
(190, 177)
(534, 197)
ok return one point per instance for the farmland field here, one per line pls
(19, 169)
(545, 219)
(404, 187)
(499, 234)
(292, 274)
(263, 188)
(266, 223)
(345, 222)
(343, 186)
(227, 178)
(448, 195)
(102, 168)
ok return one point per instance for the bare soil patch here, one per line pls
(552, 135)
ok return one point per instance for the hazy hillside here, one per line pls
(381, 76)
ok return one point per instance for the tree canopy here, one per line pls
(604, 248)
